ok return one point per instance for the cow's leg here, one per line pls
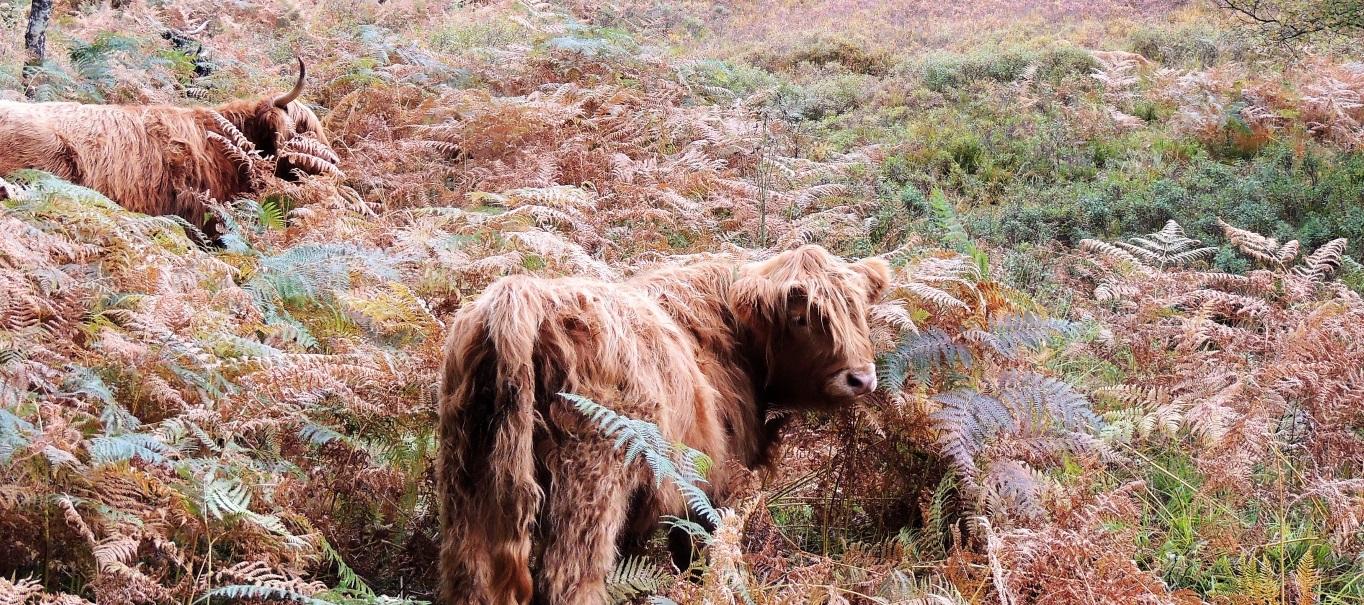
(645, 517)
(586, 510)
(682, 546)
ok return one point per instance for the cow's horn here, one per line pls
(283, 100)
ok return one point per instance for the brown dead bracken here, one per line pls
(705, 351)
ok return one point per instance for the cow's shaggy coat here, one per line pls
(158, 159)
(704, 351)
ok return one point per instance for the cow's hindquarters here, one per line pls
(517, 457)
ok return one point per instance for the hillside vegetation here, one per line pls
(1122, 359)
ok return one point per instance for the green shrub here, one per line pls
(592, 42)
(1192, 46)
(967, 152)
(1278, 193)
(492, 33)
(1059, 63)
(822, 51)
(944, 71)
(714, 78)
(826, 97)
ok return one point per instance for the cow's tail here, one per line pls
(490, 496)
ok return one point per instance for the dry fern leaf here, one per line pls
(312, 164)
(1307, 579)
(1106, 249)
(19, 592)
(73, 519)
(1115, 291)
(1324, 262)
(1264, 249)
(1288, 252)
(1133, 394)
(10, 191)
(440, 147)
(240, 156)
(313, 147)
(118, 550)
(230, 133)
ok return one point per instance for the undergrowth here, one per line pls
(1119, 356)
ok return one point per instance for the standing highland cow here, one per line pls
(704, 351)
(162, 159)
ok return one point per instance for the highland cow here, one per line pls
(161, 159)
(705, 351)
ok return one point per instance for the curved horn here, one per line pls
(283, 100)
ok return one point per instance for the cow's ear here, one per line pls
(877, 273)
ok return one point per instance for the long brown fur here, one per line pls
(154, 159)
(704, 351)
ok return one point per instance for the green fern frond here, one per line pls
(947, 220)
(84, 381)
(348, 579)
(226, 497)
(1042, 415)
(1027, 331)
(270, 215)
(678, 464)
(934, 532)
(1044, 399)
(120, 448)
(318, 434)
(15, 434)
(633, 577)
(966, 420)
(921, 353)
(237, 593)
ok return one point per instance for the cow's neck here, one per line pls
(740, 373)
(733, 358)
(753, 352)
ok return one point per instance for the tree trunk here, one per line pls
(35, 40)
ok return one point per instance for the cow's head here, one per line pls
(281, 127)
(807, 310)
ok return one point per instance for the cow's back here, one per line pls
(132, 154)
(30, 139)
(607, 341)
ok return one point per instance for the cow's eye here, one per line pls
(802, 321)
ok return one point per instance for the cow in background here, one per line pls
(164, 159)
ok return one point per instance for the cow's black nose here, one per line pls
(861, 382)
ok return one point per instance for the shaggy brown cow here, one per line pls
(704, 351)
(161, 159)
